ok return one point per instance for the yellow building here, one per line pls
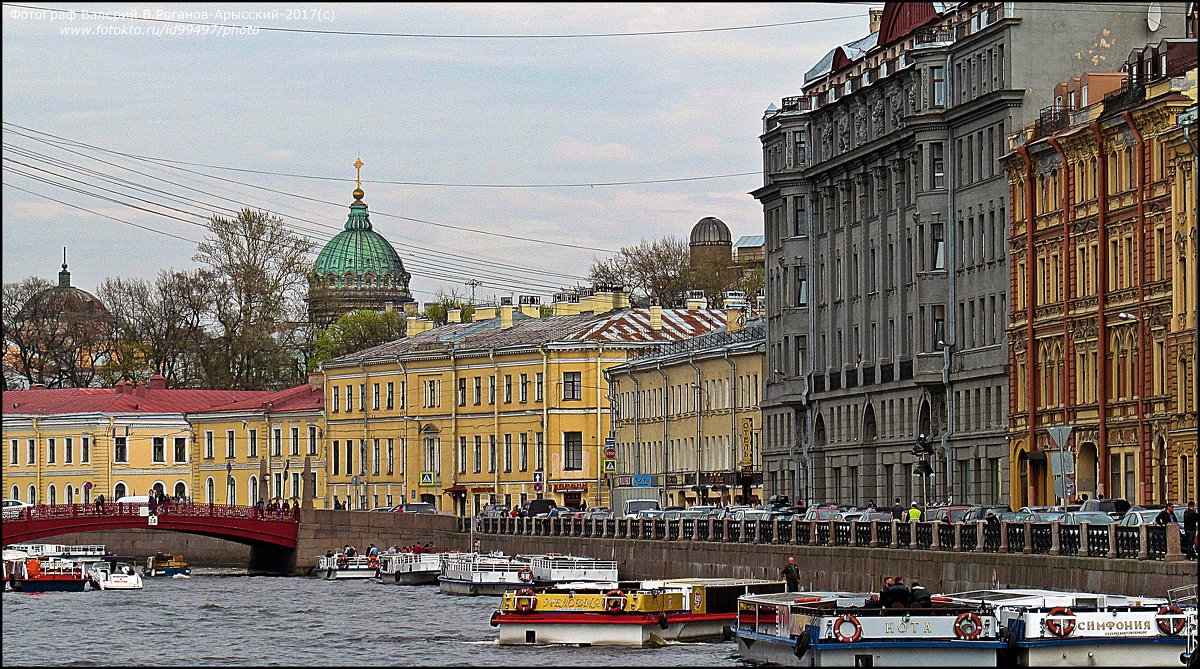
(687, 422)
(69, 445)
(508, 408)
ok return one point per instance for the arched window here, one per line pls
(51, 494)
(231, 492)
(15, 493)
(253, 499)
(209, 491)
(32, 495)
(118, 491)
(180, 490)
(159, 488)
(69, 494)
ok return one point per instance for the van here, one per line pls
(537, 507)
(631, 507)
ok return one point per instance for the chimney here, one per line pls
(42, 386)
(530, 305)
(656, 317)
(602, 299)
(565, 304)
(876, 19)
(410, 326)
(122, 387)
(506, 316)
(157, 382)
(695, 300)
(410, 308)
(735, 319)
(485, 312)
(139, 390)
(454, 315)
(316, 380)
(620, 297)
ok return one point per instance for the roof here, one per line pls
(124, 399)
(629, 326)
(710, 230)
(716, 342)
(358, 250)
(748, 240)
(299, 398)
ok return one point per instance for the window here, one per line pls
(801, 221)
(50, 451)
(375, 454)
(362, 397)
(252, 444)
(349, 457)
(937, 78)
(391, 457)
(229, 444)
(277, 442)
(801, 287)
(337, 460)
(524, 451)
(477, 394)
(349, 397)
(572, 385)
(462, 455)
(937, 163)
(572, 451)
(491, 453)
(295, 441)
(375, 396)
(478, 453)
(508, 454)
(524, 387)
(431, 393)
(312, 439)
(491, 390)
(538, 393)
(939, 246)
(68, 450)
(120, 449)
(208, 443)
(508, 388)
(391, 394)
(180, 449)
(462, 392)
(540, 445)
(13, 454)
(85, 450)
(335, 397)
(362, 457)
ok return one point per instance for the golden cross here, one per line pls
(358, 173)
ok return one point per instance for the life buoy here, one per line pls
(526, 574)
(663, 623)
(525, 600)
(495, 621)
(1060, 621)
(968, 626)
(939, 599)
(373, 562)
(847, 619)
(614, 601)
(805, 600)
(343, 562)
(1170, 620)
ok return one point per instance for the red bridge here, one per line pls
(242, 524)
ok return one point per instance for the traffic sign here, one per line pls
(537, 487)
(1064, 487)
(537, 477)
(1062, 462)
(610, 452)
(643, 480)
(1060, 433)
(610, 466)
(427, 478)
(610, 441)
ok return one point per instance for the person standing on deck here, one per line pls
(791, 574)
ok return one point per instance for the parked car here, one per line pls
(1039, 509)
(538, 508)
(952, 513)
(749, 514)
(385, 509)
(1093, 517)
(13, 507)
(494, 511)
(822, 513)
(1048, 516)
(1015, 516)
(562, 512)
(598, 513)
(417, 507)
(979, 512)
(1115, 507)
(1143, 516)
(649, 514)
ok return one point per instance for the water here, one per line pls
(220, 617)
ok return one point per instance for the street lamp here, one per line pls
(923, 450)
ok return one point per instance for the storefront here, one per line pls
(572, 493)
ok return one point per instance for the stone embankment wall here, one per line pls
(324, 530)
(198, 550)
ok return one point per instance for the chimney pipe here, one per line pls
(735, 320)
(157, 382)
(453, 315)
(655, 317)
(506, 316)
(316, 380)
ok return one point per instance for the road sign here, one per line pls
(642, 480)
(1062, 462)
(610, 441)
(610, 452)
(537, 477)
(610, 466)
(426, 478)
(1064, 487)
(152, 520)
(537, 487)
(1060, 433)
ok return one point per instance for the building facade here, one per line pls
(686, 422)
(887, 279)
(1103, 248)
(504, 409)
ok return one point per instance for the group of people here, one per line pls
(1190, 520)
(373, 551)
(896, 595)
(279, 507)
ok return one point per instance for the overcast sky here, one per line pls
(462, 111)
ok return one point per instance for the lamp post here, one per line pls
(923, 449)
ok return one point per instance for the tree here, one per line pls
(54, 337)
(355, 331)
(655, 271)
(258, 270)
(436, 311)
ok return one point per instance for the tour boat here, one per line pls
(115, 573)
(410, 568)
(1079, 629)
(823, 629)
(631, 613)
(339, 567)
(80, 553)
(49, 575)
(475, 574)
(8, 565)
(165, 564)
(552, 569)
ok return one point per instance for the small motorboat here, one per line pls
(49, 575)
(166, 564)
(115, 573)
(409, 568)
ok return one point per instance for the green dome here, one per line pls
(359, 251)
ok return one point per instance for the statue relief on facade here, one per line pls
(897, 112)
(877, 117)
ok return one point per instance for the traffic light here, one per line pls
(923, 468)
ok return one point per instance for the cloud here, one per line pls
(573, 149)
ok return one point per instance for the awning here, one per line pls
(1034, 455)
(456, 490)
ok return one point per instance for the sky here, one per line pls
(459, 111)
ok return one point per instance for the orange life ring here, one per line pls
(843, 637)
(1057, 627)
(373, 562)
(526, 574)
(968, 626)
(525, 600)
(343, 562)
(614, 601)
(804, 600)
(1173, 625)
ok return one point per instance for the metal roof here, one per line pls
(50, 401)
(748, 240)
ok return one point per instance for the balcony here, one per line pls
(928, 369)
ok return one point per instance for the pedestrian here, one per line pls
(153, 503)
(1190, 519)
(791, 574)
(260, 506)
(1166, 516)
(898, 512)
(899, 595)
(873, 602)
(914, 512)
(164, 501)
(418, 549)
(871, 506)
(885, 598)
(583, 505)
(920, 595)
(372, 551)
(1084, 498)
(514, 513)
(991, 518)
(100, 503)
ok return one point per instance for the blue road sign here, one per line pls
(643, 480)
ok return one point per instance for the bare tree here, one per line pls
(57, 338)
(654, 271)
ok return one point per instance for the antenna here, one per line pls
(473, 283)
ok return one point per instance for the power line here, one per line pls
(363, 33)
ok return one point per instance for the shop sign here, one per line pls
(570, 487)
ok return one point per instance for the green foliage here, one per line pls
(355, 331)
(436, 311)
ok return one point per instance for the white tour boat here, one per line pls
(77, 553)
(10, 564)
(1081, 629)
(337, 566)
(824, 629)
(115, 573)
(633, 613)
(410, 568)
(556, 569)
(475, 574)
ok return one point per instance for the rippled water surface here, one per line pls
(217, 618)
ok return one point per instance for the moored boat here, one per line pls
(409, 568)
(1080, 629)
(166, 564)
(631, 613)
(338, 566)
(49, 575)
(554, 569)
(115, 573)
(475, 574)
(822, 629)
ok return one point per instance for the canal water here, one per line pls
(221, 617)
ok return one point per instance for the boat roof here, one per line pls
(1038, 598)
(14, 555)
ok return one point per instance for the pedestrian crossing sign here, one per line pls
(610, 466)
(427, 478)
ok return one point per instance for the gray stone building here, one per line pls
(885, 213)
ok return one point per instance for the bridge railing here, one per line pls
(114, 510)
(1104, 541)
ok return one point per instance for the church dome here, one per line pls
(358, 252)
(66, 300)
(710, 231)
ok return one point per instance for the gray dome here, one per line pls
(711, 231)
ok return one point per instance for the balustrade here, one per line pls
(749, 531)
(1042, 538)
(766, 531)
(822, 533)
(1156, 541)
(783, 532)
(883, 530)
(946, 536)
(733, 532)
(804, 533)
(924, 538)
(904, 535)
(1127, 542)
(862, 534)
(968, 540)
(1069, 539)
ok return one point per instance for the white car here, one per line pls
(12, 507)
